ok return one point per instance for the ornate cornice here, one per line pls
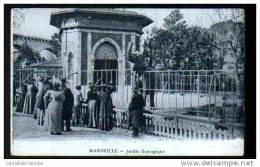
(109, 31)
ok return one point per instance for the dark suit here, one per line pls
(67, 107)
(136, 112)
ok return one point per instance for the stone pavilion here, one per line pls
(97, 39)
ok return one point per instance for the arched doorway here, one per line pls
(106, 65)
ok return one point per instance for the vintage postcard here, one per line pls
(127, 81)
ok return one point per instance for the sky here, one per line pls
(36, 21)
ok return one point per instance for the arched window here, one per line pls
(106, 51)
(105, 63)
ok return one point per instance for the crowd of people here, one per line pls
(55, 107)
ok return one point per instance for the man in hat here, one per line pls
(136, 108)
(67, 105)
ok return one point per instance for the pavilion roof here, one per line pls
(56, 16)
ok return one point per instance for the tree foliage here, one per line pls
(231, 42)
(175, 46)
(231, 39)
(27, 55)
(55, 44)
(174, 20)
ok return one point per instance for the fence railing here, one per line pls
(191, 80)
(201, 93)
(22, 75)
(180, 127)
(190, 104)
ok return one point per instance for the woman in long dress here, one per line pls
(106, 109)
(22, 93)
(30, 98)
(53, 115)
(92, 101)
(27, 99)
(39, 104)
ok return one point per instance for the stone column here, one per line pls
(64, 53)
(77, 60)
(90, 67)
(122, 63)
(74, 46)
(121, 70)
(123, 44)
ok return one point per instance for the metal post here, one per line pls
(126, 76)
(169, 87)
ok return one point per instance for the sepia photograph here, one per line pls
(127, 81)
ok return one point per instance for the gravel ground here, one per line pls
(26, 128)
(30, 139)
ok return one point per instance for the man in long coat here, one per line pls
(136, 108)
(67, 105)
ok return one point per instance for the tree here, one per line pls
(231, 41)
(178, 47)
(200, 49)
(164, 44)
(55, 44)
(174, 20)
(27, 55)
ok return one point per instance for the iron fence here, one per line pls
(202, 93)
(23, 75)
